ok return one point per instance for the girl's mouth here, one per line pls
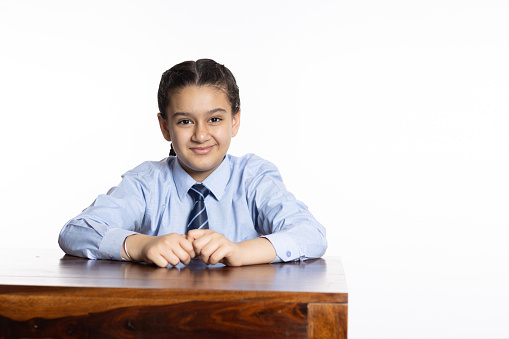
(202, 150)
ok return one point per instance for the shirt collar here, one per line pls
(216, 182)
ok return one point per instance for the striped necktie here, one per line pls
(198, 217)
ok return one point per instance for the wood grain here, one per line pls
(52, 268)
(327, 321)
(184, 320)
(44, 294)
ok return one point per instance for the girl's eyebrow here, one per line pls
(215, 110)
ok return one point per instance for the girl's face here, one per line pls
(200, 125)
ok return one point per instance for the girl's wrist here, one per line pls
(132, 244)
(257, 251)
(125, 252)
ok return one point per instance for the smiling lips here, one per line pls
(202, 150)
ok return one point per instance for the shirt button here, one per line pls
(288, 254)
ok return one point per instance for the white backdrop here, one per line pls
(390, 120)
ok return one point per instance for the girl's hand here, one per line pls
(164, 250)
(213, 247)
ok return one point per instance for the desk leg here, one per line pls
(327, 320)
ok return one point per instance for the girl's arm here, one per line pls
(99, 231)
(282, 219)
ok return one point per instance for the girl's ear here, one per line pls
(163, 124)
(235, 123)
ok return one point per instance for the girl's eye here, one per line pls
(184, 122)
(215, 119)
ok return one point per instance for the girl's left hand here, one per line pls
(213, 247)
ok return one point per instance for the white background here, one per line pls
(390, 120)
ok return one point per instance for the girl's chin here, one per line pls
(200, 169)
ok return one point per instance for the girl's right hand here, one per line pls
(164, 250)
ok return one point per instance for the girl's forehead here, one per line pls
(199, 98)
(202, 90)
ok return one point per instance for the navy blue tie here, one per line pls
(198, 217)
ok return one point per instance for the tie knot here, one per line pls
(199, 192)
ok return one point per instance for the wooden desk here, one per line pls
(45, 294)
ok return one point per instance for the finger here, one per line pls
(171, 258)
(199, 243)
(195, 234)
(208, 250)
(154, 257)
(182, 255)
(219, 254)
(188, 247)
(159, 261)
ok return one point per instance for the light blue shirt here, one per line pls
(248, 199)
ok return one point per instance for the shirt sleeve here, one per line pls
(282, 219)
(99, 231)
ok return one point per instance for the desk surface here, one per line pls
(44, 293)
(53, 268)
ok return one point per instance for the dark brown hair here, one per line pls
(198, 73)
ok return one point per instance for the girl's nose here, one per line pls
(201, 133)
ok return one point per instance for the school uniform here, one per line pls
(247, 200)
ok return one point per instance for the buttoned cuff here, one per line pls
(111, 245)
(286, 248)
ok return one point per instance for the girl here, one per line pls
(200, 201)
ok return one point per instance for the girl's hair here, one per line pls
(198, 73)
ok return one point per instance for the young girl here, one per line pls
(200, 201)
